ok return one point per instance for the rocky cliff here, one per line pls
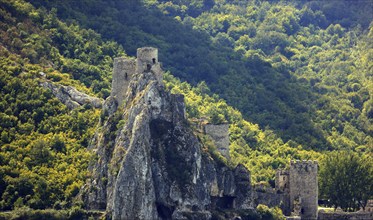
(149, 164)
(70, 96)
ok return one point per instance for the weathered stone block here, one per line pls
(220, 135)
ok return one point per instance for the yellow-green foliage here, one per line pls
(43, 145)
(270, 213)
(297, 69)
(43, 156)
(302, 68)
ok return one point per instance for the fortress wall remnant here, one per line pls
(157, 71)
(327, 215)
(282, 183)
(282, 180)
(303, 188)
(123, 71)
(220, 135)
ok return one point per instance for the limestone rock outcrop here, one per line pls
(70, 96)
(149, 164)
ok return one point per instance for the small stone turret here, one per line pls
(303, 188)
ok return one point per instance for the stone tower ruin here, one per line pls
(304, 188)
(300, 189)
(125, 68)
(123, 71)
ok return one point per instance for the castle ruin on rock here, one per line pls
(150, 165)
(125, 68)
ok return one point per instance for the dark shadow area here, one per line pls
(265, 95)
(166, 148)
(165, 212)
(225, 202)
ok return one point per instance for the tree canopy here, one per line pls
(293, 79)
(346, 180)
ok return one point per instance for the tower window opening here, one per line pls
(126, 75)
(148, 67)
(154, 60)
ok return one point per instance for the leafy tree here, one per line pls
(345, 180)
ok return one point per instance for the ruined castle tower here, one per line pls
(124, 69)
(303, 188)
(299, 189)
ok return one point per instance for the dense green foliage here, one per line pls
(346, 180)
(299, 71)
(43, 156)
(299, 68)
(50, 214)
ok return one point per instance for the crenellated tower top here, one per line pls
(304, 165)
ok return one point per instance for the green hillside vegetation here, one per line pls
(298, 75)
(300, 68)
(43, 156)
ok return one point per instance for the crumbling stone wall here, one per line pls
(323, 215)
(220, 135)
(282, 189)
(267, 196)
(282, 180)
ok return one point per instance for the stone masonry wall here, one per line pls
(220, 136)
(146, 58)
(122, 73)
(345, 215)
(124, 69)
(304, 188)
(282, 180)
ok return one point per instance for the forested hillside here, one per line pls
(293, 78)
(43, 156)
(300, 68)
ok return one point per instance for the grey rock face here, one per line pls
(71, 97)
(149, 163)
